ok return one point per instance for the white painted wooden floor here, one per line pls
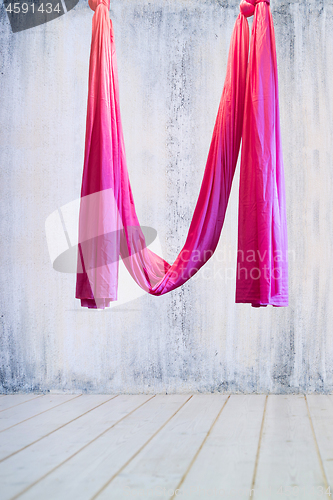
(83, 447)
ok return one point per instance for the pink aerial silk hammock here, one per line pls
(249, 109)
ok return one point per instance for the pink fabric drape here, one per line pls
(108, 225)
(262, 260)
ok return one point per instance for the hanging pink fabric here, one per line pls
(262, 267)
(108, 225)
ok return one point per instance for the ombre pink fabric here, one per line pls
(108, 225)
(262, 259)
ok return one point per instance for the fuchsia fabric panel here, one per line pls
(108, 225)
(262, 267)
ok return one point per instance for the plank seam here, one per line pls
(199, 449)
(316, 444)
(40, 413)
(78, 451)
(54, 430)
(258, 449)
(137, 452)
(23, 402)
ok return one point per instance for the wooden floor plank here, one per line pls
(20, 471)
(163, 462)
(26, 433)
(16, 399)
(88, 471)
(227, 459)
(17, 414)
(73, 450)
(288, 461)
(321, 411)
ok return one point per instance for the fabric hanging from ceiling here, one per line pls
(262, 269)
(248, 110)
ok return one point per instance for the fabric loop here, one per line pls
(247, 7)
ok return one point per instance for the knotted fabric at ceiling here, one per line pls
(248, 110)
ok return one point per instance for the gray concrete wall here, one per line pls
(172, 59)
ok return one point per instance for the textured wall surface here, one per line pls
(172, 60)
